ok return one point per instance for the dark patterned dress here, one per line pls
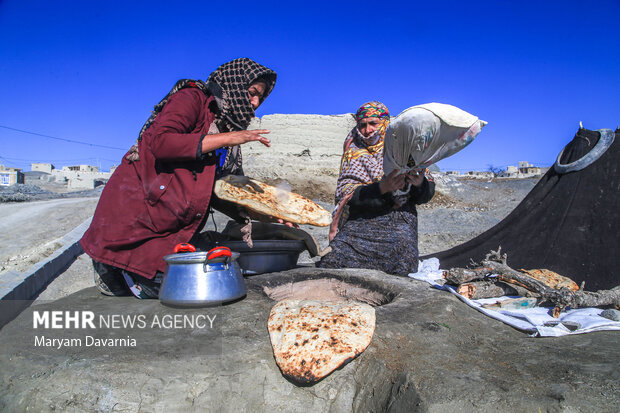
(377, 236)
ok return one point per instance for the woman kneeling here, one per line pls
(373, 228)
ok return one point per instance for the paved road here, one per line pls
(28, 229)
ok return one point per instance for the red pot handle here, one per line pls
(218, 252)
(184, 247)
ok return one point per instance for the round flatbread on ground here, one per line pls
(310, 338)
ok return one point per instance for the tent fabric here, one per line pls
(568, 223)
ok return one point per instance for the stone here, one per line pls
(611, 314)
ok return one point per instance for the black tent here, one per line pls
(568, 223)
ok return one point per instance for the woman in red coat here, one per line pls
(160, 194)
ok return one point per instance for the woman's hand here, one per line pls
(245, 136)
(415, 178)
(392, 182)
(288, 224)
(219, 140)
(256, 216)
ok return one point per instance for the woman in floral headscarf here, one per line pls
(161, 193)
(371, 228)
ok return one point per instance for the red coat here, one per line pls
(149, 206)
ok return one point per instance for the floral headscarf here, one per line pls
(362, 158)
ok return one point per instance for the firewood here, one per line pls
(484, 289)
(523, 292)
(561, 298)
(458, 276)
(491, 288)
(495, 263)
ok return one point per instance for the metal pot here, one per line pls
(202, 279)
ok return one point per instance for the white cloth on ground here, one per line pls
(536, 321)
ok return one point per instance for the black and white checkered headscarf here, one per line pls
(229, 84)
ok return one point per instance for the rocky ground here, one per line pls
(43, 191)
(464, 208)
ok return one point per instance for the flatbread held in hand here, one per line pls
(268, 200)
(310, 338)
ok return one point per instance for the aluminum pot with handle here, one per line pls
(201, 279)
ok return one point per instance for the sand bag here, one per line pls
(423, 135)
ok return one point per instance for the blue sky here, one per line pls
(92, 71)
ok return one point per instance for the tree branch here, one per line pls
(495, 263)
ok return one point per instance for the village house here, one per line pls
(523, 170)
(75, 176)
(527, 168)
(10, 176)
(42, 167)
(81, 168)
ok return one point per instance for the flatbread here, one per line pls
(272, 201)
(552, 279)
(310, 338)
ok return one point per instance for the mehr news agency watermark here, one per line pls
(54, 321)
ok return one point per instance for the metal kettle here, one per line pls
(201, 279)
